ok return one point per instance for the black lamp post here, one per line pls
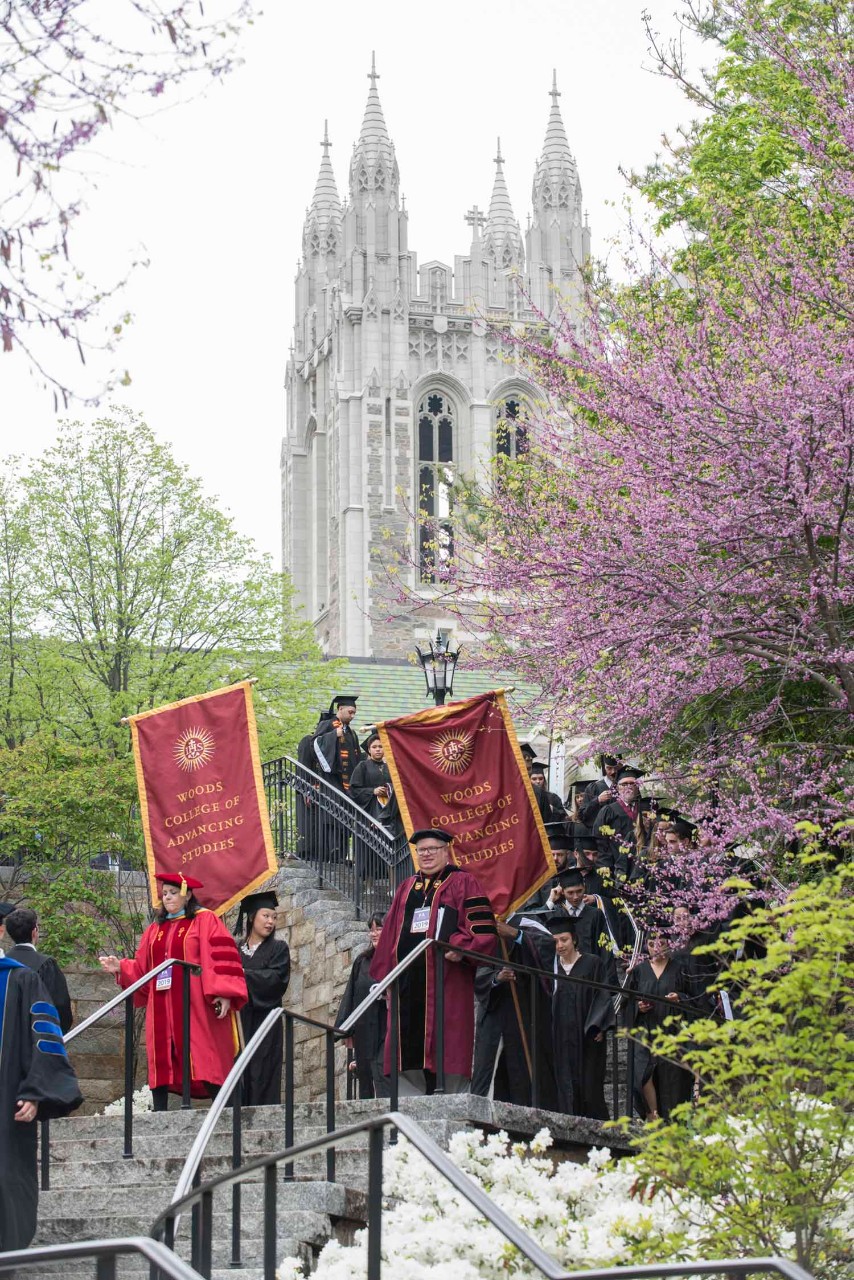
(439, 663)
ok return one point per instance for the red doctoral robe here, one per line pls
(214, 1042)
(475, 931)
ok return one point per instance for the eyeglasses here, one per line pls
(430, 848)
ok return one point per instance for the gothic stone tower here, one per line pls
(402, 376)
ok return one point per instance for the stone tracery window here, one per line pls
(511, 430)
(436, 430)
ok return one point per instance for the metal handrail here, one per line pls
(219, 1103)
(123, 995)
(462, 1183)
(162, 1260)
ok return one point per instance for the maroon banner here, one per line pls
(458, 768)
(201, 794)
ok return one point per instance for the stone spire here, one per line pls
(502, 239)
(555, 175)
(322, 230)
(373, 166)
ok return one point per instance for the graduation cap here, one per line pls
(6, 909)
(429, 833)
(539, 766)
(604, 759)
(179, 879)
(527, 751)
(571, 878)
(558, 839)
(562, 924)
(628, 771)
(373, 736)
(684, 829)
(343, 700)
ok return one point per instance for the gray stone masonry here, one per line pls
(96, 1193)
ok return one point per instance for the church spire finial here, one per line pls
(554, 92)
(499, 159)
(373, 74)
(324, 142)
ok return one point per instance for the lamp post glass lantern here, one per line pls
(439, 663)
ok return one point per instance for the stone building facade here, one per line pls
(401, 377)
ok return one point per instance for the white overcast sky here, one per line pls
(214, 192)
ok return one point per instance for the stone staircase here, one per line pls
(96, 1193)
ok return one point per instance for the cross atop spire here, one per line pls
(475, 218)
(373, 74)
(499, 159)
(554, 92)
(324, 142)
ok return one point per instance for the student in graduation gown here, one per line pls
(503, 1046)
(266, 964)
(561, 846)
(581, 1017)
(553, 805)
(659, 1085)
(415, 914)
(591, 924)
(368, 1038)
(600, 792)
(307, 810)
(619, 825)
(184, 930)
(37, 1082)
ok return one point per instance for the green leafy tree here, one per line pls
(769, 1148)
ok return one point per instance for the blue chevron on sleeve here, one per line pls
(51, 1046)
(47, 1028)
(42, 1006)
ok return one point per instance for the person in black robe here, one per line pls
(336, 754)
(659, 1085)
(307, 810)
(703, 970)
(22, 926)
(267, 969)
(600, 791)
(581, 1018)
(503, 1047)
(368, 1038)
(619, 826)
(37, 1082)
(552, 804)
(598, 884)
(371, 788)
(542, 900)
(593, 931)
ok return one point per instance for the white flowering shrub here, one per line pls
(584, 1215)
(142, 1102)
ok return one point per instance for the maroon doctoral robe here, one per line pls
(475, 931)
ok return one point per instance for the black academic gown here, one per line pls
(34, 1067)
(672, 1083)
(589, 808)
(504, 1028)
(267, 972)
(52, 977)
(579, 1014)
(336, 758)
(369, 1032)
(617, 851)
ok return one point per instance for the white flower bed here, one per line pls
(584, 1215)
(142, 1102)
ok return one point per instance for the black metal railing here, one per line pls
(126, 997)
(230, 1092)
(161, 1261)
(201, 1199)
(352, 852)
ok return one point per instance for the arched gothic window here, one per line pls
(511, 430)
(436, 430)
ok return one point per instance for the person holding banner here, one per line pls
(439, 901)
(184, 930)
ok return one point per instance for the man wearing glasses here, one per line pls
(618, 825)
(439, 901)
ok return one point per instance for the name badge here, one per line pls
(420, 920)
(163, 981)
